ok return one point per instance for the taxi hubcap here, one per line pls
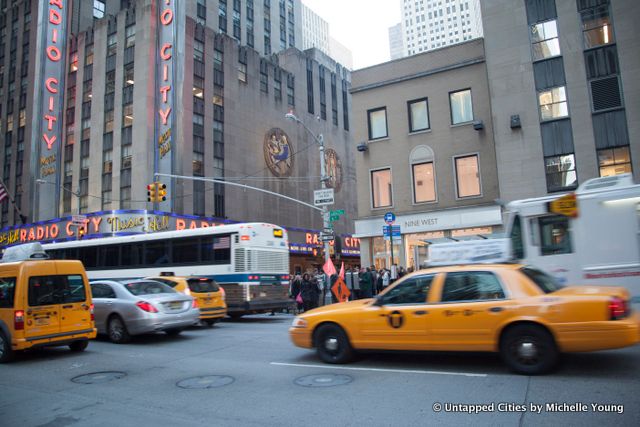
(527, 350)
(331, 344)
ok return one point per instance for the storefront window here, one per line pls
(416, 248)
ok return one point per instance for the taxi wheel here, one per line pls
(528, 349)
(117, 330)
(333, 345)
(78, 346)
(210, 322)
(6, 354)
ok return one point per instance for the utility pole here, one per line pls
(326, 224)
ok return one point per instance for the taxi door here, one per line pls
(75, 311)
(397, 320)
(42, 314)
(472, 305)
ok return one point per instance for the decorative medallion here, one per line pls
(333, 169)
(278, 153)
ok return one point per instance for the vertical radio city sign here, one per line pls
(165, 91)
(52, 35)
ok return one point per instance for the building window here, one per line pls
(614, 161)
(596, 27)
(264, 76)
(127, 115)
(461, 106)
(377, 120)
(198, 87)
(418, 115)
(291, 99)
(381, 195)
(242, 72)
(561, 172)
(553, 103)
(544, 40)
(467, 176)
(98, 9)
(112, 44)
(128, 75)
(198, 50)
(424, 189)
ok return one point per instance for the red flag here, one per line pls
(329, 268)
(3, 193)
(341, 274)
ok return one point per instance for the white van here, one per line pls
(599, 246)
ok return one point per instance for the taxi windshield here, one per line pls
(545, 282)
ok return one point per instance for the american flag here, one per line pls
(221, 242)
(3, 193)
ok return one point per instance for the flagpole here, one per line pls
(23, 218)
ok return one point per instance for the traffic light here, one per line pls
(152, 192)
(81, 232)
(157, 192)
(161, 192)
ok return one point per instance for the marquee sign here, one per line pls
(52, 36)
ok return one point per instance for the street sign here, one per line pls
(395, 232)
(323, 197)
(386, 232)
(78, 219)
(327, 230)
(389, 218)
(566, 205)
(335, 215)
(327, 237)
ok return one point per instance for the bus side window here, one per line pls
(555, 235)
(517, 245)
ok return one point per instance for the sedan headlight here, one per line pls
(299, 322)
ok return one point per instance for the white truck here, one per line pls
(589, 237)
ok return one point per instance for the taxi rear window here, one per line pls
(203, 285)
(59, 289)
(7, 289)
(545, 282)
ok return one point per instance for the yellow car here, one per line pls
(209, 295)
(516, 310)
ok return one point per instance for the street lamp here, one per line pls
(326, 224)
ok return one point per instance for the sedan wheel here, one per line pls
(118, 331)
(528, 349)
(173, 332)
(333, 345)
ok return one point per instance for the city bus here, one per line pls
(249, 260)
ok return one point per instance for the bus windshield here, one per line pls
(545, 282)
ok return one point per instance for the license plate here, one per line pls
(263, 294)
(207, 300)
(41, 321)
(175, 305)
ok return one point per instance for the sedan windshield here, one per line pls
(148, 288)
(545, 282)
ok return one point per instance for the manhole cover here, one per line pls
(98, 377)
(323, 380)
(209, 381)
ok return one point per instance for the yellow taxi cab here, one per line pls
(210, 296)
(42, 302)
(516, 310)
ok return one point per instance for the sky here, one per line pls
(360, 25)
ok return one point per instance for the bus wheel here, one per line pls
(6, 354)
(332, 344)
(117, 330)
(79, 346)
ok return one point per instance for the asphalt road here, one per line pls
(247, 373)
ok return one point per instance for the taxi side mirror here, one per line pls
(378, 302)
